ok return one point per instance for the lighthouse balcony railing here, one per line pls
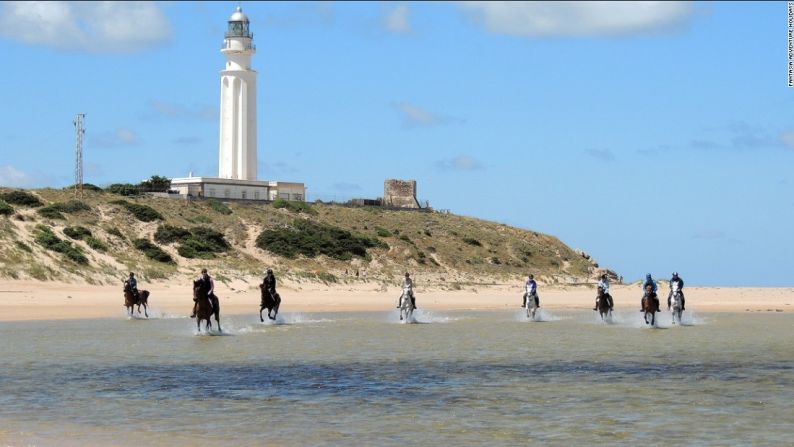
(246, 46)
(229, 34)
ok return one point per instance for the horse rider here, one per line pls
(648, 282)
(408, 287)
(205, 277)
(603, 284)
(531, 290)
(133, 283)
(269, 283)
(677, 283)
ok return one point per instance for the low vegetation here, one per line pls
(152, 251)
(56, 210)
(198, 242)
(218, 206)
(144, 213)
(322, 239)
(295, 207)
(312, 239)
(77, 232)
(6, 209)
(44, 236)
(21, 198)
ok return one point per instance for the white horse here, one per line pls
(675, 303)
(532, 306)
(406, 306)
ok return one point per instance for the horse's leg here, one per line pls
(260, 314)
(145, 312)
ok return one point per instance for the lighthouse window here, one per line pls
(244, 194)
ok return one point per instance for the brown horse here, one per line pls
(605, 304)
(650, 305)
(207, 305)
(131, 301)
(269, 301)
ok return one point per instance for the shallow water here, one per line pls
(468, 378)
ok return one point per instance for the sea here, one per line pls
(446, 378)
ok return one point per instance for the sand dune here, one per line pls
(34, 300)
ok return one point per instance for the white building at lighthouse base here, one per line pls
(233, 189)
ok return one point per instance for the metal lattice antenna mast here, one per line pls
(78, 155)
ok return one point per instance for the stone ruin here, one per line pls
(400, 193)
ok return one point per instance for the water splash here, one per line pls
(541, 315)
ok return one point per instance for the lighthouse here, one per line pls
(237, 176)
(238, 102)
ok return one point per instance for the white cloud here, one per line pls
(396, 20)
(116, 138)
(601, 154)
(460, 163)
(787, 138)
(13, 177)
(414, 116)
(96, 27)
(579, 19)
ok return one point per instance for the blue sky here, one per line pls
(655, 136)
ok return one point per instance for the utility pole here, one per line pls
(78, 155)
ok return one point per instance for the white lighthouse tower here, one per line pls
(237, 179)
(238, 102)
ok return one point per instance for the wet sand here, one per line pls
(35, 300)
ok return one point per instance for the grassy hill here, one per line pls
(46, 235)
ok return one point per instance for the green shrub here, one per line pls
(77, 232)
(199, 242)
(312, 239)
(144, 213)
(219, 206)
(406, 239)
(22, 198)
(6, 209)
(123, 189)
(327, 277)
(96, 244)
(155, 184)
(47, 239)
(428, 233)
(212, 238)
(167, 234)
(115, 232)
(86, 187)
(431, 249)
(199, 219)
(72, 206)
(152, 251)
(472, 241)
(23, 246)
(382, 232)
(50, 213)
(295, 207)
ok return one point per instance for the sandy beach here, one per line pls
(34, 300)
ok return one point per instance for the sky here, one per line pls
(655, 136)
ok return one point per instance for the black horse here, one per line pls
(270, 301)
(605, 304)
(207, 305)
